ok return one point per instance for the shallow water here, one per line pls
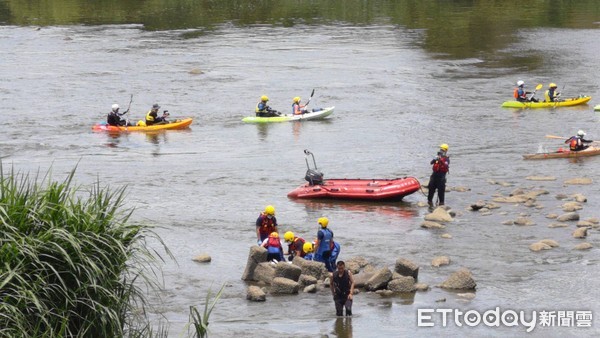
(395, 103)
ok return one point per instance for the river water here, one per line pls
(394, 104)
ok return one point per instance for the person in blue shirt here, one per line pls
(324, 244)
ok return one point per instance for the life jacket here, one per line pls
(335, 251)
(149, 117)
(516, 93)
(573, 144)
(267, 224)
(441, 165)
(258, 110)
(273, 245)
(326, 243)
(294, 105)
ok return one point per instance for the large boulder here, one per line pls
(311, 268)
(402, 284)
(257, 255)
(264, 272)
(460, 280)
(439, 215)
(379, 280)
(289, 271)
(256, 294)
(569, 216)
(407, 268)
(361, 279)
(305, 280)
(284, 286)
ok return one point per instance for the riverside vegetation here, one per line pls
(72, 265)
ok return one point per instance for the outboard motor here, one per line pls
(313, 176)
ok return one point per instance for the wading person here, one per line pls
(324, 244)
(266, 223)
(342, 288)
(437, 181)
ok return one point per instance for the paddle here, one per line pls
(311, 95)
(127, 111)
(538, 87)
(557, 137)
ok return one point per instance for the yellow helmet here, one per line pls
(288, 236)
(324, 221)
(264, 98)
(444, 147)
(307, 247)
(297, 99)
(274, 234)
(270, 210)
(552, 85)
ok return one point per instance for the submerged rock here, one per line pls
(583, 246)
(539, 246)
(256, 294)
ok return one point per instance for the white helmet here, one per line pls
(115, 107)
(520, 83)
(581, 133)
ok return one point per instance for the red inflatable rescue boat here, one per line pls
(353, 189)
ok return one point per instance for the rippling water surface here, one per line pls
(395, 104)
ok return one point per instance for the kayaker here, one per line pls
(342, 288)
(437, 181)
(297, 108)
(521, 95)
(324, 244)
(295, 245)
(115, 118)
(263, 110)
(266, 223)
(577, 142)
(551, 94)
(153, 118)
(273, 246)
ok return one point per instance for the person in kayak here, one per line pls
(437, 181)
(266, 223)
(297, 108)
(115, 118)
(551, 94)
(153, 118)
(577, 142)
(263, 110)
(295, 245)
(521, 95)
(324, 244)
(273, 246)
(342, 289)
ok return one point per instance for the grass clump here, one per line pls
(70, 263)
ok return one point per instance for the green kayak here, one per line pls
(315, 114)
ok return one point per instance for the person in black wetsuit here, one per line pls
(342, 288)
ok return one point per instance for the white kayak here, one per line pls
(315, 114)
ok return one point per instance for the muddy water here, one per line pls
(395, 103)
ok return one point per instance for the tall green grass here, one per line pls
(71, 265)
(200, 321)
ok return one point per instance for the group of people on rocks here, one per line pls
(521, 95)
(263, 110)
(324, 249)
(115, 118)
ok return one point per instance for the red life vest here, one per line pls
(273, 242)
(573, 144)
(441, 165)
(267, 225)
(516, 93)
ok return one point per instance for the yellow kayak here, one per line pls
(573, 101)
(177, 124)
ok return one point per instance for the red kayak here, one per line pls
(359, 189)
(353, 189)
